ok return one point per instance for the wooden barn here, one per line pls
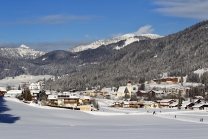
(2, 91)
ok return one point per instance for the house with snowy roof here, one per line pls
(84, 100)
(117, 104)
(167, 80)
(165, 102)
(174, 105)
(187, 105)
(142, 94)
(13, 93)
(125, 104)
(63, 100)
(67, 100)
(3, 90)
(136, 104)
(35, 86)
(91, 93)
(35, 94)
(150, 104)
(157, 93)
(52, 100)
(201, 106)
(109, 91)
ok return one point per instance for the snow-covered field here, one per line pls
(16, 81)
(30, 121)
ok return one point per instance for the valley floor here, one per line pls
(23, 121)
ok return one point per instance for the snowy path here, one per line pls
(187, 116)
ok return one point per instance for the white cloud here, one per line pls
(116, 35)
(187, 8)
(50, 19)
(87, 36)
(60, 18)
(144, 30)
(147, 29)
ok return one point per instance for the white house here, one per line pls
(13, 93)
(35, 86)
(35, 94)
(48, 92)
(109, 92)
(53, 99)
(67, 100)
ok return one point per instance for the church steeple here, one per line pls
(128, 86)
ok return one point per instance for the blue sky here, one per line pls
(61, 24)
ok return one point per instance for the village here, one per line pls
(168, 93)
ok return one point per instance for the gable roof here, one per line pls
(158, 92)
(3, 89)
(14, 92)
(52, 96)
(174, 104)
(121, 89)
(186, 103)
(199, 105)
(35, 91)
(108, 90)
(165, 100)
(48, 92)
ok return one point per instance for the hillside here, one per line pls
(58, 62)
(175, 54)
(22, 52)
(126, 39)
(15, 67)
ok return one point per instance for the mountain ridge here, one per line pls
(175, 54)
(129, 38)
(21, 52)
(178, 54)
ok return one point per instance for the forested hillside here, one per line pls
(176, 54)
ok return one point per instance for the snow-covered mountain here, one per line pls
(128, 38)
(22, 52)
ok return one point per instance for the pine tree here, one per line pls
(43, 95)
(27, 95)
(97, 106)
(19, 87)
(142, 87)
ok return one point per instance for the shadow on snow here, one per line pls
(6, 118)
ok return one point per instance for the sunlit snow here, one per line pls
(130, 38)
(31, 121)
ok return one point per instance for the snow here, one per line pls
(16, 81)
(24, 46)
(151, 36)
(21, 52)
(129, 38)
(201, 71)
(19, 120)
(171, 85)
